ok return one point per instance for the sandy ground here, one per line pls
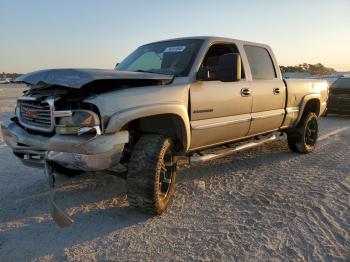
(265, 204)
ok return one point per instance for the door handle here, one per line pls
(245, 92)
(276, 90)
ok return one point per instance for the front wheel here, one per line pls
(303, 138)
(151, 174)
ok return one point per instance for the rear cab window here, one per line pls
(260, 62)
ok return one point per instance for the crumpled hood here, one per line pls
(77, 78)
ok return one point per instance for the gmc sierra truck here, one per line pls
(166, 99)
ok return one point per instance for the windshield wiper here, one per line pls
(151, 72)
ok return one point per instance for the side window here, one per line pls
(260, 62)
(211, 59)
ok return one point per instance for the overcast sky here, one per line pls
(41, 34)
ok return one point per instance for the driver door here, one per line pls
(220, 111)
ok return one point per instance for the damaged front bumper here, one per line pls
(75, 152)
(84, 152)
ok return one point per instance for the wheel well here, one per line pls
(169, 125)
(312, 105)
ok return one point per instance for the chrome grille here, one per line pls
(36, 114)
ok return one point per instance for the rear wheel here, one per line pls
(151, 174)
(303, 138)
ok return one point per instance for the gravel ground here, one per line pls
(265, 204)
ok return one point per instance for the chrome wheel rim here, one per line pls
(311, 132)
(166, 175)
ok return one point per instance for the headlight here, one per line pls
(76, 122)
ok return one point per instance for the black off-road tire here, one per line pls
(303, 138)
(151, 161)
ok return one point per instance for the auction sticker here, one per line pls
(174, 49)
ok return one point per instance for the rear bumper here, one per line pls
(76, 152)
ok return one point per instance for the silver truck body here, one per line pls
(196, 114)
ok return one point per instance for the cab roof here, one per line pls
(211, 39)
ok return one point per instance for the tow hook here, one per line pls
(61, 218)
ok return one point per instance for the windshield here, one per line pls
(170, 58)
(342, 83)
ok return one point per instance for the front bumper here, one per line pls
(72, 151)
(75, 152)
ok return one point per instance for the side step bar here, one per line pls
(227, 152)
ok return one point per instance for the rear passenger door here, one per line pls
(267, 89)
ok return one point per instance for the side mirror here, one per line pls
(116, 65)
(229, 67)
(203, 74)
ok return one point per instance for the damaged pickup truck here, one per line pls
(167, 99)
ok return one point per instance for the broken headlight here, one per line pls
(79, 122)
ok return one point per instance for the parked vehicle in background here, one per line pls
(339, 96)
(4, 81)
(167, 99)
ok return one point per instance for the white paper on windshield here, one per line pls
(174, 49)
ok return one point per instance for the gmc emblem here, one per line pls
(29, 114)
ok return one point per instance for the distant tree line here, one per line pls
(317, 69)
(9, 75)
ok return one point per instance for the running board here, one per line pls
(227, 152)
